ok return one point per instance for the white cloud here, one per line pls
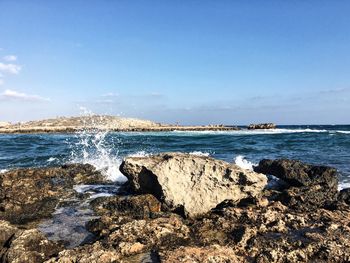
(1, 82)
(19, 96)
(10, 58)
(10, 68)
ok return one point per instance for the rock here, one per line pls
(344, 196)
(30, 246)
(142, 235)
(4, 124)
(306, 198)
(297, 173)
(27, 246)
(86, 254)
(261, 126)
(191, 184)
(30, 194)
(210, 254)
(307, 186)
(136, 207)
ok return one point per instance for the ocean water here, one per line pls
(324, 145)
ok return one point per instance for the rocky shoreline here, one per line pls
(111, 123)
(175, 207)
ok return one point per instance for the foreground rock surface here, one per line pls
(139, 228)
(30, 194)
(189, 183)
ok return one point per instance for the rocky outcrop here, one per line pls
(344, 196)
(261, 126)
(285, 224)
(30, 194)
(27, 246)
(297, 173)
(192, 185)
(307, 186)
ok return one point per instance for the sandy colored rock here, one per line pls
(194, 184)
(94, 253)
(210, 254)
(4, 124)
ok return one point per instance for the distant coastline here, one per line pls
(102, 123)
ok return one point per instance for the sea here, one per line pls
(315, 144)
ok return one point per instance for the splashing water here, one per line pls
(242, 162)
(91, 147)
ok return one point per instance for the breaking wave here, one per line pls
(242, 162)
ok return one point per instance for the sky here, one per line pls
(185, 61)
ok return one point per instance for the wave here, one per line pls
(92, 148)
(344, 132)
(242, 162)
(249, 132)
(3, 171)
(199, 153)
(139, 154)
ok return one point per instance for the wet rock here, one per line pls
(307, 186)
(261, 126)
(210, 254)
(139, 236)
(30, 194)
(297, 173)
(136, 207)
(306, 198)
(27, 246)
(191, 185)
(344, 196)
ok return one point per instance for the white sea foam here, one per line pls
(343, 185)
(248, 132)
(199, 153)
(3, 171)
(344, 132)
(139, 154)
(51, 159)
(242, 162)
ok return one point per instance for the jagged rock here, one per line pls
(136, 207)
(87, 254)
(29, 194)
(191, 184)
(307, 186)
(210, 254)
(142, 235)
(297, 173)
(344, 195)
(27, 246)
(261, 126)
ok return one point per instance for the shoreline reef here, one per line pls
(175, 207)
(111, 123)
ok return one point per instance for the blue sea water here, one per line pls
(322, 144)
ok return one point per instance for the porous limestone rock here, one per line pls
(191, 184)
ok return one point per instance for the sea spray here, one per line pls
(242, 162)
(91, 147)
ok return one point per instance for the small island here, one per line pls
(102, 122)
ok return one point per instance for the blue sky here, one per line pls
(192, 62)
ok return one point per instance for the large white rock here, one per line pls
(195, 183)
